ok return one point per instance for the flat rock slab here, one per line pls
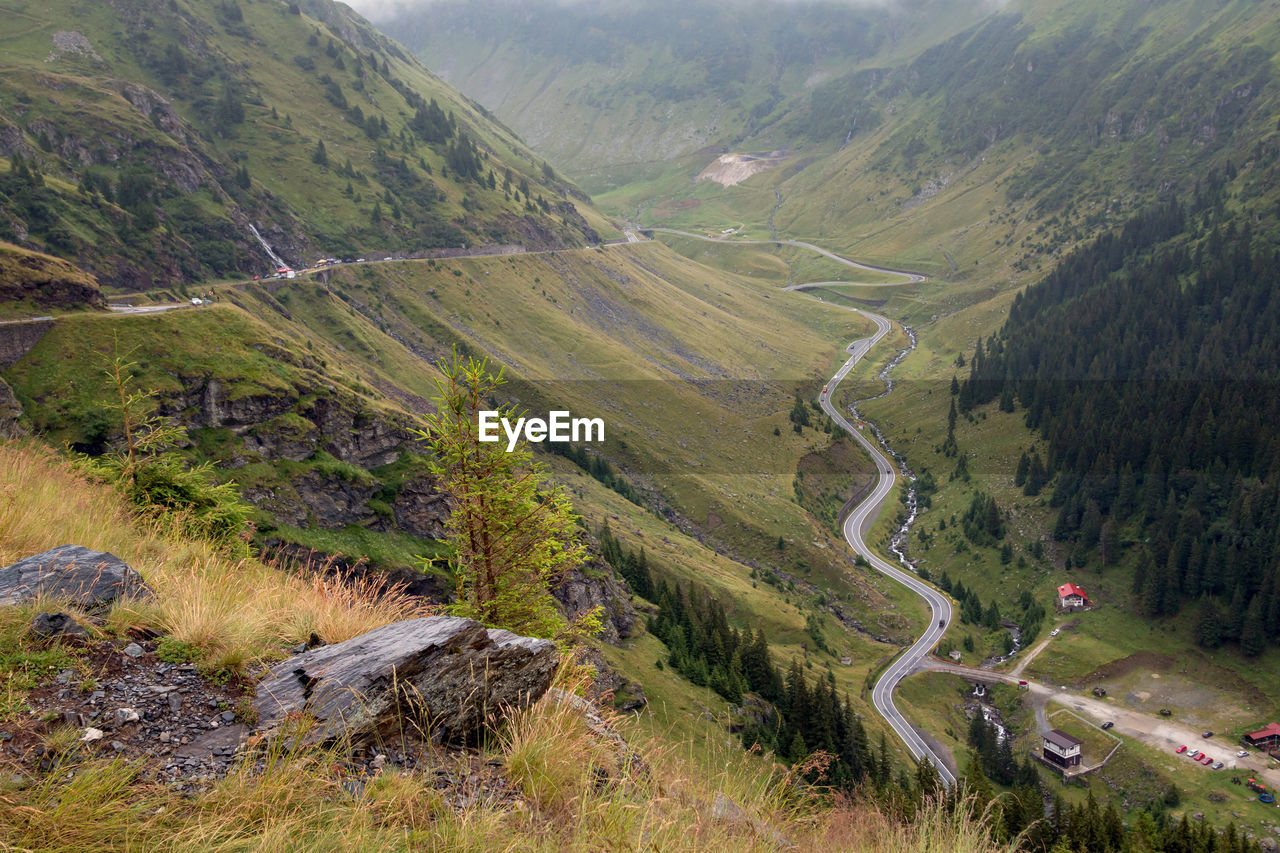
(448, 675)
(91, 579)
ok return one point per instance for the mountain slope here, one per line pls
(614, 88)
(930, 136)
(146, 142)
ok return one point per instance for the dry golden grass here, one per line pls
(295, 800)
(580, 791)
(235, 610)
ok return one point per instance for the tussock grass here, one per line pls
(86, 807)
(579, 790)
(577, 796)
(234, 610)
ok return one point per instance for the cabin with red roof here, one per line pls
(1072, 597)
(1266, 739)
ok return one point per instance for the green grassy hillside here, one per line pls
(694, 372)
(144, 142)
(973, 146)
(612, 92)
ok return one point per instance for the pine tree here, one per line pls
(1253, 637)
(1020, 474)
(512, 534)
(1209, 624)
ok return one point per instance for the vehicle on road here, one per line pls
(825, 388)
(1023, 684)
(942, 623)
(1181, 749)
(1054, 632)
(1108, 724)
(1207, 735)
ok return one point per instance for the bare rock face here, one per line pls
(89, 578)
(421, 508)
(447, 675)
(10, 413)
(596, 585)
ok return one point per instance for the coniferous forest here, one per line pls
(1149, 362)
(795, 718)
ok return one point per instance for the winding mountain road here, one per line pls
(855, 528)
(908, 277)
(859, 521)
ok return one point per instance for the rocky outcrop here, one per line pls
(91, 579)
(421, 508)
(153, 106)
(334, 501)
(356, 435)
(10, 413)
(45, 281)
(444, 675)
(611, 686)
(275, 425)
(402, 579)
(207, 402)
(595, 585)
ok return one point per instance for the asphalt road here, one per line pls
(908, 277)
(864, 514)
(855, 527)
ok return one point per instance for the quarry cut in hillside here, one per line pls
(730, 169)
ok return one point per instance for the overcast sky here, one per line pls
(375, 9)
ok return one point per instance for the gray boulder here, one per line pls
(57, 625)
(91, 579)
(447, 675)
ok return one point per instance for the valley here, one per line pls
(825, 531)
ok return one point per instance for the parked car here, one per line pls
(1244, 753)
(1197, 755)
(1207, 734)
(1108, 724)
(1206, 761)
(1181, 749)
(1054, 632)
(1218, 765)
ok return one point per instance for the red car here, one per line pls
(1206, 760)
(1181, 749)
